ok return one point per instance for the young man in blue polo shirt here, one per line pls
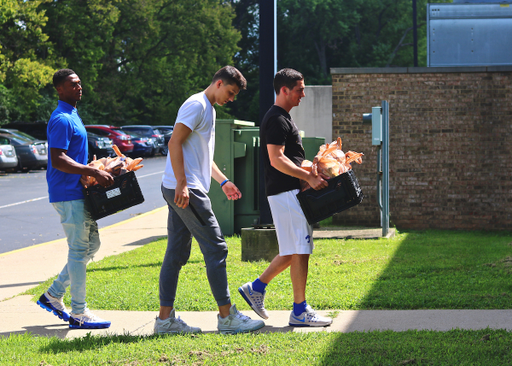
(67, 142)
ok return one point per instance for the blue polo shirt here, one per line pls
(66, 131)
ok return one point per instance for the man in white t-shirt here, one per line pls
(185, 184)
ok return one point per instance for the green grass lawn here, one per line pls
(414, 270)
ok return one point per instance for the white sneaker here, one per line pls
(309, 319)
(236, 322)
(173, 325)
(87, 320)
(255, 299)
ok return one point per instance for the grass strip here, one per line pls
(414, 270)
(456, 347)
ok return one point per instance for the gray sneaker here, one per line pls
(173, 325)
(309, 319)
(236, 322)
(255, 299)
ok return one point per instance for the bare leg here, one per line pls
(165, 312)
(299, 276)
(278, 265)
(224, 310)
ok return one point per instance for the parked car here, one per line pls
(99, 146)
(12, 131)
(31, 154)
(36, 129)
(120, 138)
(142, 146)
(147, 131)
(166, 131)
(8, 157)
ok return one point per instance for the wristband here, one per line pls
(227, 180)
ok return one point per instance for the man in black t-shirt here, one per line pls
(282, 156)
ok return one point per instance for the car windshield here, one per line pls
(4, 141)
(18, 140)
(23, 134)
(138, 130)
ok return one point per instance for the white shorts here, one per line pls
(294, 234)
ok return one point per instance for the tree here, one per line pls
(310, 32)
(22, 72)
(246, 21)
(143, 59)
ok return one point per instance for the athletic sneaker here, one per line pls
(52, 304)
(87, 320)
(236, 322)
(309, 319)
(255, 299)
(173, 325)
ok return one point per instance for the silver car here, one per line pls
(31, 154)
(8, 157)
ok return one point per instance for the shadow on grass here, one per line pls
(434, 275)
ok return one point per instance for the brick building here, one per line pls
(450, 144)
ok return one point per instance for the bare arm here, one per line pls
(230, 189)
(179, 136)
(61, 161)
(281, 162)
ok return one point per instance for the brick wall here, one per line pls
(450, 145)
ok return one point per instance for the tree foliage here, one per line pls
(22, 72)
(141, 59)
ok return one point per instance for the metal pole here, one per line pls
(267, 65)
(415, 33)
(385, 168)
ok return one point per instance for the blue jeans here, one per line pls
(83, 242)
(201, 223)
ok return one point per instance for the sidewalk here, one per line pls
(28, 267)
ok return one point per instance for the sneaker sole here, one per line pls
(228, 331)
(50, 310)
(308, 325)
(249, 302)
(176, 333)
(89, 326)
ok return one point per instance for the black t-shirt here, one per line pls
(278, 128)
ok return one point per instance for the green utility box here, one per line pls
(237, 156)
(311, 146)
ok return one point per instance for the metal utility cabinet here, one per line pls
(469, 34)
(237, 156)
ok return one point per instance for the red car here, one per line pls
(119, 137)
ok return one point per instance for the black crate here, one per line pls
(124, 193)
(342, 193)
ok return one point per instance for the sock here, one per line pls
(259, 286)
(299, 308)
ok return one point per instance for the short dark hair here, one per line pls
(230, 75)
(60, 76)
(286, 77)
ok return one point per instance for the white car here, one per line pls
(8, 157)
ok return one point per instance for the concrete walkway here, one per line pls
(26, 268)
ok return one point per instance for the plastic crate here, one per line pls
(124, 193)
(342, 193)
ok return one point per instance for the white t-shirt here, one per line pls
(198, 114)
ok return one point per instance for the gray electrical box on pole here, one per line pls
(379, 119)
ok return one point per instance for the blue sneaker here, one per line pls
(87, 320)
(52, 304)
(309, 319)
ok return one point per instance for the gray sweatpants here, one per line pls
(198, 221)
